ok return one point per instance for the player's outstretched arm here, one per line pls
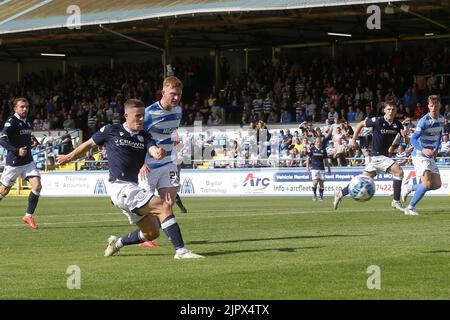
(75, 154)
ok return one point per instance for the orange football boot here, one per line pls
(30, 221)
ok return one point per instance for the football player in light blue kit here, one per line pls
(426, 141)
(161, 120)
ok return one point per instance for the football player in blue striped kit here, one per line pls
(426, 141)
(161, 120)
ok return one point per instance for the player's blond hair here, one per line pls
(172, 82)
(434, 99)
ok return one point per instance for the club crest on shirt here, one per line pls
(121, 134)
(140, 138)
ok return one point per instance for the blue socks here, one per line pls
(134, 237)
(418, 194)
(172, 230)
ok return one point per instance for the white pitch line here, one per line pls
(207, 217)
(248, 212)
(62, 223)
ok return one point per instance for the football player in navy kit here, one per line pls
(18, 140)
(317, 155)
(385, 129)
(126, 146)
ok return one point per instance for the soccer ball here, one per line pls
(361, 188)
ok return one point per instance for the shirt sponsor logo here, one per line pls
(128, 143)
(388, 131)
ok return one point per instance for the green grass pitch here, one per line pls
(256, 248)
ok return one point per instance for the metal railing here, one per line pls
(280, 162)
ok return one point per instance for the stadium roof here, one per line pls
(29, 27)
(25, 15)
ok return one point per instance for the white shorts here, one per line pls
(318, 175)
(378, 163)
(422, 164)
(164, 177)
(10, 173)
(129, 196)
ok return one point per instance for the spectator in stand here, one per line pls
(335, 125)
(444, 151)
(369, 112)
(341, 153)
(407, 98)
(446, 126)
(358, 159)
(91, 120)
(267, 106)
(446, 112)
(347, 130)
(359, 115)
(253, 118)
(38, 123)
(69, 123)
(300, 116)
(409, 125)
(273, 117)
(311, 111)
(400, 115)
(351, 115)
(402, 156)
(66, 143)
(285, 116)
(332, 115)
(420, 111)
(331, 152)
(47, 139)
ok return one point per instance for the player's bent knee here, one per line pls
(437, 185)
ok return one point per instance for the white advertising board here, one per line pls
(231, 182)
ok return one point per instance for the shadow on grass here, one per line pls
(220, 253)
(281, 238)
(46, 227)
(438, 251)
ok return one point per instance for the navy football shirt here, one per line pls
(17, 134)
(316, 157)
(383, 134)
(126, 152)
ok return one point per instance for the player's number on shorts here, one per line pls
(173, 177)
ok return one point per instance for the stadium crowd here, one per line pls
(315, 98)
